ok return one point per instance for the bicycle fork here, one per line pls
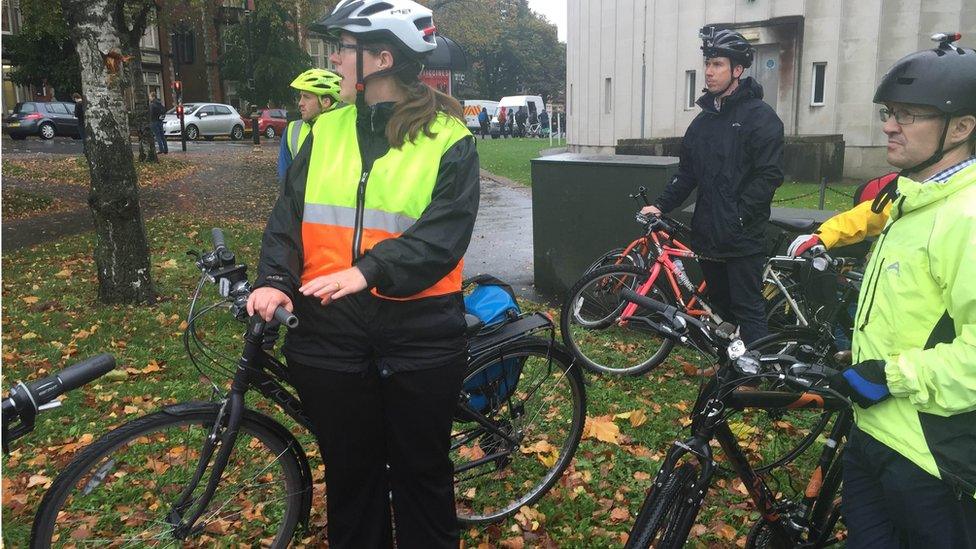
(231, 410)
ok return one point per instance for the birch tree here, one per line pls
(121, 250)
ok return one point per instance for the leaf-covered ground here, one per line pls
(51, 318)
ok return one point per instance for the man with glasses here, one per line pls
(733, 154)
(910, 461)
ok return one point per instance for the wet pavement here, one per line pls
(502, 242)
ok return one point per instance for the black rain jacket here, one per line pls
(734, 157)
(412, 335)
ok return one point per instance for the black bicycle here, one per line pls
(26, 400)
(198, 472)
(743, 380)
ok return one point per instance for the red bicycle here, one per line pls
(594, 317)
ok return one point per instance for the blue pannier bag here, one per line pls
(493, 302)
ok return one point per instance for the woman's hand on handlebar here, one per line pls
(331, 287)
(650, 210)
(265, 300)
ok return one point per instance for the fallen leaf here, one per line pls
(37, 480)
(602, 428)
(30, 300)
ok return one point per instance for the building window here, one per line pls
(316, 51)
(11, 16)
(819, 78)
(607, 95)
(154, 83)
(691, 89)
(150, 39)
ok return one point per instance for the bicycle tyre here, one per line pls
(480, 495)
(53, 521)
(598, 342)
(668, 511)
(616, 257)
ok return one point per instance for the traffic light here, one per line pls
(178, 92)
(179, 110)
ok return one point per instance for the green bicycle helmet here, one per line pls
(319, 82)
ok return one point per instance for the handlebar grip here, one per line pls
(218, 238)
(283, 316)
(71, 378)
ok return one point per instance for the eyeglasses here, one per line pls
(354, 47)
(904, 118)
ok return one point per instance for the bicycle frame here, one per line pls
(259, 370)
(709, 424)
(663, 263)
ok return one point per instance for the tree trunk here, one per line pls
(121, 250)
(140, 109)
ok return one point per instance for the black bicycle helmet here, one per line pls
(726, 43)
(943, 78)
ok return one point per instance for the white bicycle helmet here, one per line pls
(404, 23)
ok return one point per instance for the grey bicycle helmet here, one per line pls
(943, 78)
(726, 43)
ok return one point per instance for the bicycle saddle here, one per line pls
(795, 225)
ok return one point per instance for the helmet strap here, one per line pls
(939, 152)
(360, 82)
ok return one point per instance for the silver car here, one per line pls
(205, 119)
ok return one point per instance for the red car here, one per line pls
(271, 122)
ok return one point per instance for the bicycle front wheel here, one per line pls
(120, 490)
(521, 418)
(588, 321)
(668, 511)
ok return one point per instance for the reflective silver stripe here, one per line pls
(346, 217)
(296, 130)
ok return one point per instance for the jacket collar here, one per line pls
(915, 195)
(748, 89)
(373, 119)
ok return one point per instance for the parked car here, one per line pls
(271, 122)
(208, 120)
(42, 119)
(472, 107)
(532, 103)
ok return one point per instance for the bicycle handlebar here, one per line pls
(283, 316)
(26, 399)
(218, 238)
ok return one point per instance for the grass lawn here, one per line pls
(51, 319)
(511, 157)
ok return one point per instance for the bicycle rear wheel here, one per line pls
(119, 490)
(616, 257)
(668, 512)
(529, 406)
(588, 321)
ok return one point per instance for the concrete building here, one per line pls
(634, 67)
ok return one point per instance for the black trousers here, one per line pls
(382, 434)
(889, 502)
(735, 290)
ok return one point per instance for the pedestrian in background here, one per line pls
(79, 114)
(156, 113)
(483, 121)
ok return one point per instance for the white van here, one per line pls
(471, 109)
(532, 103)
